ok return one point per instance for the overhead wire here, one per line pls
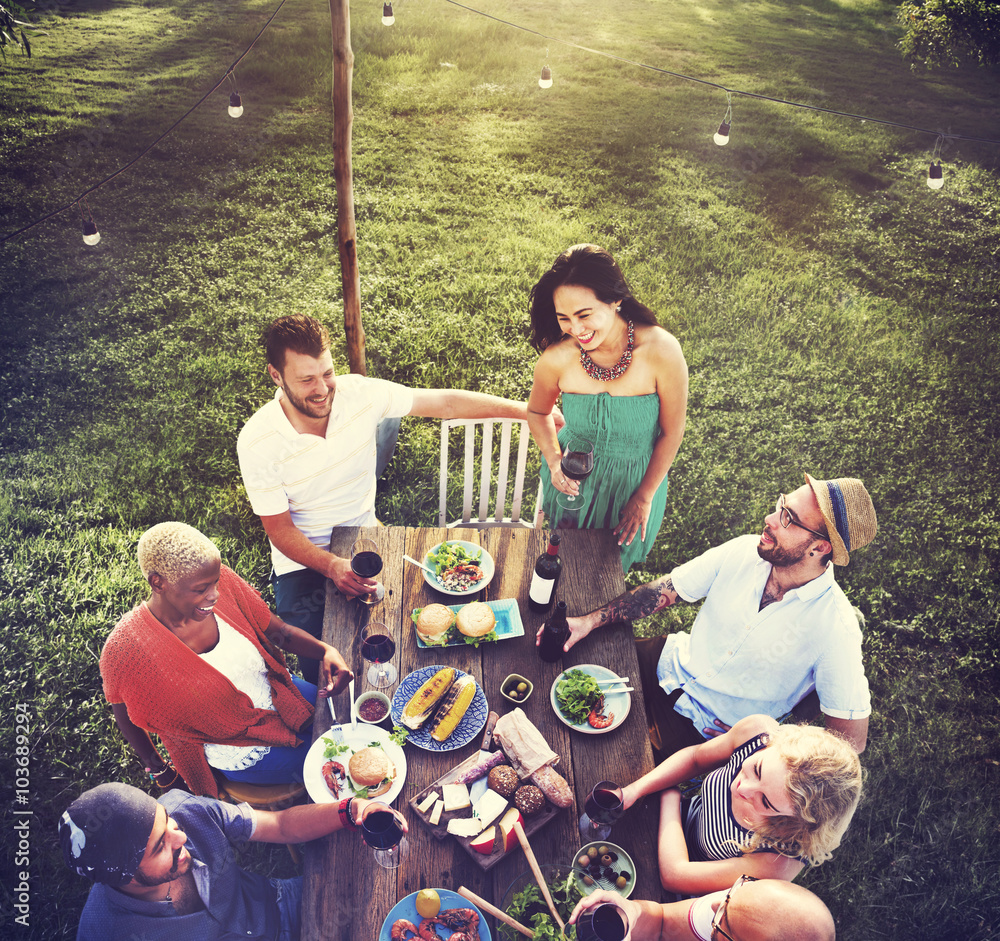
(937, 134)
(165, 134)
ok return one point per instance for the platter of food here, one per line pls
(366, 764)
(439, 625)
(442, 707)
(461, 568)
(585, 706)
(454, 914)
(604, 865)
(484, 828)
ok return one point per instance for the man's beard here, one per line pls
(309, 409)
(783, 557)
(149, 881)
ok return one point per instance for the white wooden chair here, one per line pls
(484, 518)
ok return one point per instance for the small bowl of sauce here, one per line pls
(372, 707)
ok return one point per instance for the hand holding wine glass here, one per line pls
(367, 563)
(383, 830)
(576, 465)
(603, 916)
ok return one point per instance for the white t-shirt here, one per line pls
(739, 660)
(241, 663)
(322, 482)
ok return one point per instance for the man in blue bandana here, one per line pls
(774, 630)
(165, 870)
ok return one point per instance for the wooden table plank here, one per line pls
(346, 895)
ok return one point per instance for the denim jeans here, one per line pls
(289, 908)
(283, 763)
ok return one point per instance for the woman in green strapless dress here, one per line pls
(623, 382)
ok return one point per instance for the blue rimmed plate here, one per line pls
(470, 726)
(482, 558)
(505, 610)
(407, 908)
(617, 704)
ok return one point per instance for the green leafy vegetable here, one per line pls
(529, 908)
(450, 554)
(333, 750)
(398, 735)
(485, 639)
(577, 693)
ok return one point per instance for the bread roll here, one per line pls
(476, 619)
(553, 785)
(433, 623)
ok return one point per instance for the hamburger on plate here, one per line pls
(370, 767)
(433, 624)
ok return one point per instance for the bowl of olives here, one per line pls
(516, 688)
(604, 865)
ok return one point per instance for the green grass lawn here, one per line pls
(838, 317)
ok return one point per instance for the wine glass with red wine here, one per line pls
(382, 830)
(603, 807)
(378, 647)
(366, 562)
(577, 464)
(604, 922)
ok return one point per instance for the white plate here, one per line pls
(407, 908)
(618, 704)
(485, 560)
(312, 768)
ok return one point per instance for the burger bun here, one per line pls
(370, 767)
(476, 619)
(433, 623)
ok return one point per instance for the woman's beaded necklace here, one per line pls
(618, 370)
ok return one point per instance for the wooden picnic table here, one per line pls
(346, 895)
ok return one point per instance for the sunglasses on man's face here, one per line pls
(722, 912)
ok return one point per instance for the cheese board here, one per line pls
(495, 812)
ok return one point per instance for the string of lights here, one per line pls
(90, 234)
(728, 91)
(934, 179)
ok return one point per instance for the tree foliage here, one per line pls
(948, 32)
(12, 29)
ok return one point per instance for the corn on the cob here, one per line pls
(454, 705)
(418, 710)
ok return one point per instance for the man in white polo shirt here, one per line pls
(308, 460)
(774, 628)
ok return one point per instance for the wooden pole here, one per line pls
(343, 118)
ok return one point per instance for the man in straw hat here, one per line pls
(165, 870)
(775, 627)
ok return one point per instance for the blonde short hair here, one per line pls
(174, 550)
(824, 785)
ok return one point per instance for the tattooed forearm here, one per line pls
(639, 602)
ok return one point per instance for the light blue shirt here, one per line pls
(237, 905)
(738, 661)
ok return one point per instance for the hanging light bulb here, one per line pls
(721, 136)
(235, 105)
(935, 178)
(90, 234)
(387, 16)
(545, 79)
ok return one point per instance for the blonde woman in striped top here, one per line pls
(774, 799)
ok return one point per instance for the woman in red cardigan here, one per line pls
(198, 664)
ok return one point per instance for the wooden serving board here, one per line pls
(532, 823)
